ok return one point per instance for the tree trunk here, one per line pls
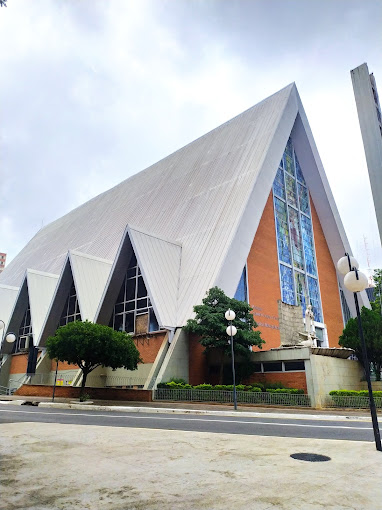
(221, 373)
(84, 376)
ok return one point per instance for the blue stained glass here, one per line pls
(282, 231)
(288, 158)
(299, 175)
(241, 291)
(291, 190)
(307, 239)
(278, 184)
(287, 287)
(301, 291)
(295, 236)
(314, 295)
(303, 198)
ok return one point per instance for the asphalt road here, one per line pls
(262, 426)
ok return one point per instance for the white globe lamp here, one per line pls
(230, 315)
(10, 338)
(231, 331)
(343, 264)
(355, 284)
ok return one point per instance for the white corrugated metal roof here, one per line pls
(8, 295)
(207, 196)
(90, 275)
(160, 263)
(41, 287)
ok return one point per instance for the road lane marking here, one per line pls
(186, 419)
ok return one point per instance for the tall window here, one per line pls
(133, 311)
(26, 326)
(71, 311)
(345, 308)
(294, 232)
(241, 293)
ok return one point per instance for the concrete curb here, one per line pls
(13, 402)
(241, 414)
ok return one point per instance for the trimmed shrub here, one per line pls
(354, 393)
(293, 391)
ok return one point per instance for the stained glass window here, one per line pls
(291, 190)
(288, 158)
(303, 198)
(282, 231)
(278, 185)
(299, 175)
(307, 239)
(295, 236)
(295, 241)
(314, 295)
(301, 290)
(287, 287)
(241, 291)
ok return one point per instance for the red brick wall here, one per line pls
(330, 296)
(96, 393)
(288, 379)
(19, 363)
(198, 367)
(263, 278)
(147, 345)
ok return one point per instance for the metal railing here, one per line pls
(350, 402)
(95, 381)
(245, 397)
(4, 390)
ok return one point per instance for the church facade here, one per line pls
(246, 207)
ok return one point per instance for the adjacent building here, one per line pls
(370, 120)
(246, 207)
(3, 258)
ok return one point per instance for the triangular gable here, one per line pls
(89, 275)
(41, 287)
(8, 295)
(37, 289)
(293, 122)
(159, 262)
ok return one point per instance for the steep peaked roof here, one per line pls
(8, 295)
(159, 261)
(207, 197)
(89, 275)
(37, 288)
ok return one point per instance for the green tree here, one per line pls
(377, 277)
(210, 324)
(91, 345)
(372, 328)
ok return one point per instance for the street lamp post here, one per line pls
(231, 332)
(355, 281)
(10, 338)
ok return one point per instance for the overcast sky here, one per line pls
(92, 92)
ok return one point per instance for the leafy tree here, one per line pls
(377, 277)
(91, 345)
(210, 324)
(372, 328)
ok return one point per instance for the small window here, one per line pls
(257, 367)
(275, 366)
(292, 366)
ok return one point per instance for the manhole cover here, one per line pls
(310, 457)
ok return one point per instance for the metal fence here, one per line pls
(245, 397)
(350, 402)
(92, 381)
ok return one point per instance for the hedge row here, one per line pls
(257, 388)
(353, 393)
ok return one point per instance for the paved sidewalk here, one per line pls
(49, 466)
